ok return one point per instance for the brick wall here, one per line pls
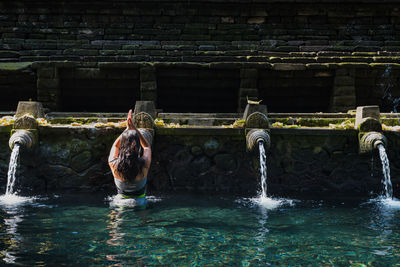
(199, 30)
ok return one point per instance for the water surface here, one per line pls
(199, 231)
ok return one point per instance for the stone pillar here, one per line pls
(48, 86)
(148, 83)
(344, 91)
(248, 87)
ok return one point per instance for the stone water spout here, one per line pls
(371, 140)
(25, 129)
(370, 129)
(255, 136)
(23, 138)
(257, 126)
(143, 117)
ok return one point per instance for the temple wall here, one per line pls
(301, 162)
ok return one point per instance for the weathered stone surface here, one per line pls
(48, 83)
(26, 121)
(314, 164)
(82, 161)
(200, 26)
(288, 67)
(148, 86)
(226, 162)
(32, 108)
(344, 81)
(210, 147)
(344, 91)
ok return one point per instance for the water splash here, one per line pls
(119, 201)
(12, 170)
(387, 183)
(263, 200)
(263, 169)
(11, 200)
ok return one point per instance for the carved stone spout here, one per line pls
(255, 136)
(23, 138)
(371, 140)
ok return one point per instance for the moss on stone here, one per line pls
(70, 120)
(390, 121)
(310, 122)
(11, 66)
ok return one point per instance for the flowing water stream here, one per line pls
(12, 168)
(263, 170)
(387, 183)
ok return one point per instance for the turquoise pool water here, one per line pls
(199, 231)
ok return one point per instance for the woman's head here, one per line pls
(130, 142)
(130, 163)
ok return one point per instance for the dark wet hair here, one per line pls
(130, 163)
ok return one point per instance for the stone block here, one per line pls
(256, 20)
(49, 84)
(227, 20)
(148, 86)
(248, 92)
(147, 74)
(344, 91)
(344, 81)
(88, 73)
(46, 73)
(8, 54)
(32, 108)
(348, 101)
(248, 83)
(146, 106)
(317, 66)
(288, 66)
(81, 52)
(364, 112)
(249, 73)
(323, 74)
(148, 95)
(344, 72)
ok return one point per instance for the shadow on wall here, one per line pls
(197, 90)
(18, 85)
(296, 91)
(94, 89)
(378, 87)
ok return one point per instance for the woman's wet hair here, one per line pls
(130, 163)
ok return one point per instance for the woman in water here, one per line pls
(129, 160)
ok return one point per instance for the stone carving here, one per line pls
(26, 122)
(257, 120)
(143, 120)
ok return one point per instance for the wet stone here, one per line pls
(200, 165)
(81, 161)
(196, 150)
(211, 147)
(225, 162)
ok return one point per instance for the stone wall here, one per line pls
(301, 162)
(200, 30)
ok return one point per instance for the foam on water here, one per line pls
(385, 202)
(119, 201)
(14, 200)
(271, 203)
(267, 203)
